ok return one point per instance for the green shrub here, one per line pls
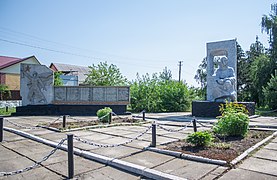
(234, 121)
(104, 112)
(200, 138)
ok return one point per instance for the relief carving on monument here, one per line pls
(221, 71)
(224, 82)
(36, 84)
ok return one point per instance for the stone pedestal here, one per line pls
(211, 109)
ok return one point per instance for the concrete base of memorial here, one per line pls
(211, 109)
(62, 109)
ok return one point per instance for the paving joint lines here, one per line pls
(127, 166)
(257, 172)
(41, 165)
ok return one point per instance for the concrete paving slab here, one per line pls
(54, 136)
(139, 144)
(83, 146)
(116, 152)
(148, 159)
(267, 154)
(235, 174)
(37, 173)
(107, 173)
(37, 132)
(176, 135)
(272, 146)
(260, 165)
(80, 166)
(185, 168)
(215, 173)
(28, 147)
(10, 137)
(16, 163)
(115, 140)
(6, 154)
(83, 133)
(137, 129)
(97, 137)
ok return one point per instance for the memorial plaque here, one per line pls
(123, 94)
(99, 94)
(73, 94)
(111, 94)
(60, 93)
(84, 94)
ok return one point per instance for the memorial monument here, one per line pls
(41, 97)
(221, 79)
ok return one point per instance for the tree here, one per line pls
(57, 79)
(159, 93)
(4, 91)
(246, 88)
(270, 92)
(269, 25)
(201, 77)
(260, 76)
(105, 75)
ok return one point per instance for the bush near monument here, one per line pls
(234, 120)
(103, 114)
(200, 138)
(160, 93)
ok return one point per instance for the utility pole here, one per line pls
(180, 64)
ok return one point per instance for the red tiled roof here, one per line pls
(8, 61)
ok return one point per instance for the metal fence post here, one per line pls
(110, 117)
(7, 108)
(64, 120)
(70, 156)
(1, 129)
(154, 127)
(194, 125)
(143, 115)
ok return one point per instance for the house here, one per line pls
(10, 72)
(72, 75)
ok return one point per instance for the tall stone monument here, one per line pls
(221, 79)
(222, 71)
(36, 84)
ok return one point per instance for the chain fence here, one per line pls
(22, 126)
(138, 116)
(174, 130)
(203, 125)
(35, 164)
(111, 145)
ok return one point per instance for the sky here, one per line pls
(138, 36)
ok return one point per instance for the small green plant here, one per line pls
(200, 138)
(234, 121)
(103, 114)
(222, 145)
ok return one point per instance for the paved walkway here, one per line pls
(17, 152)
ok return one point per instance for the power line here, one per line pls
(63, 52)
(47, 49)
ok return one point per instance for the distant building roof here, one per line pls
(81, 71)
(6, 61)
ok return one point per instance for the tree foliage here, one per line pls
(270, 92)
(104, 74)
(57, 79)
(4, 91)
(159, 93)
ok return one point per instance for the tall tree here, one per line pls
(104, 74)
